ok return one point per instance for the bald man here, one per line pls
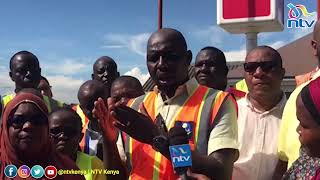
(181, 103)
(259, 115)
(88, 93)
(289, 144)
(105, 71)
(125, 88)
(25, 72)
(94, 142)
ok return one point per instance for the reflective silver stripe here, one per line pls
(134, 106)
(137, 102)
(204, 131)
(127, 150)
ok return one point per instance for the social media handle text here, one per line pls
(89, 171)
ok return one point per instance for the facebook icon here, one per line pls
(10, 171)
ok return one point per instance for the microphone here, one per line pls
(180, 152)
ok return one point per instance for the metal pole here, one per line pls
(318, 10)
(159, 14)
(251, 41)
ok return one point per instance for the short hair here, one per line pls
(22, 53)
(106, 58)
(274, 53)
(130, 80)
(219, 53)
(45, 79)
(75, 115)
(91, 85)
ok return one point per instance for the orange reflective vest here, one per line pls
(300, 79)
(84, 144)
(200, 110)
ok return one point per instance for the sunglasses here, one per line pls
(20, 120)
(67, 132)
(266, 66)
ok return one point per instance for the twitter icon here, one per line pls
(37, 171)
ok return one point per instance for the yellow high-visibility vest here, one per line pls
(51, 103)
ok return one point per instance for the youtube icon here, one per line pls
(50, 172)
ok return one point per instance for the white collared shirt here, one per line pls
(258, 137)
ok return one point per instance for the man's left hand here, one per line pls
(106, 121)
(138, 125)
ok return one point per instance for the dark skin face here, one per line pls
(28, 138)
(168, 60)
(263, 84)
(45, 88)
(88, 93)
(87, 104)
(210, 71)
(25, 72)
(120, 91)
(105, 71)
(308, 130)
(66, 133)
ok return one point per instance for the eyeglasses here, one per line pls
(266, 66)
(20, 120)
(68, 132)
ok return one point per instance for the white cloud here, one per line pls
(235, 55)
(65, 88)
(6, 85)
(214, 34)
(136, 72)
(240, 55)
(65, 67)
(113, 46)
(136, 43)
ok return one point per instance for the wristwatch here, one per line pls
(160, 143)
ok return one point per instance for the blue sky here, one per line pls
(68, 36)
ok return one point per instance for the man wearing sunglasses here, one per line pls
(260, 114)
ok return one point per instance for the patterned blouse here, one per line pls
(304, 168)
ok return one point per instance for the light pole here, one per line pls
(159, 14)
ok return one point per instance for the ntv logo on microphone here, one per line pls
(299, 17)
(180, 155)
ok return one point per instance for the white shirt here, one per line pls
(258, 137)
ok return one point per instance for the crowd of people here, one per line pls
(251, 134)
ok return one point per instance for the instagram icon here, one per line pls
(24, 171)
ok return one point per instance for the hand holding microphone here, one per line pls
(180, 151)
